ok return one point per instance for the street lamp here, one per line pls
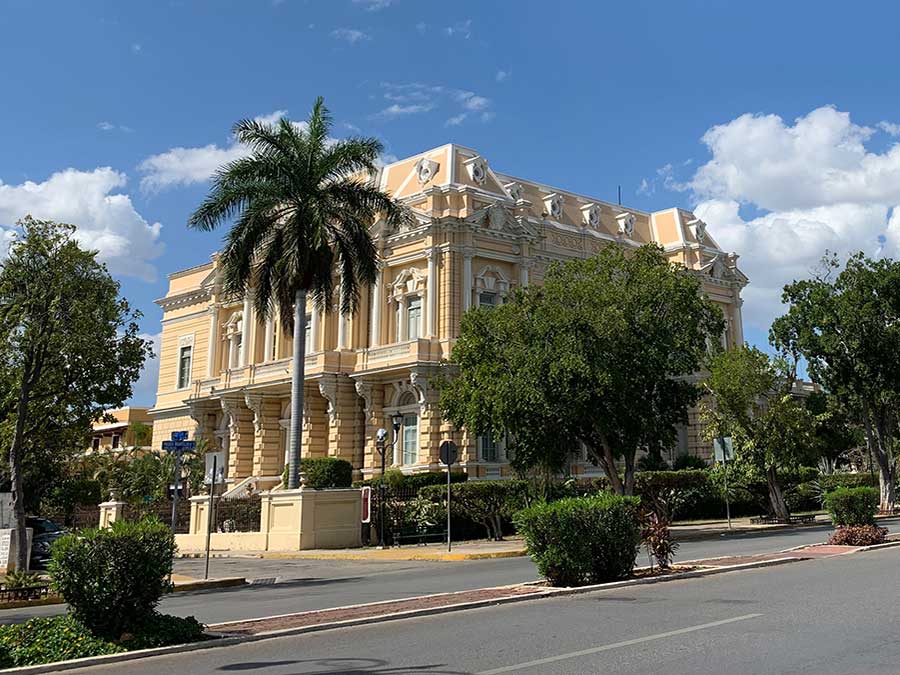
(381, 445)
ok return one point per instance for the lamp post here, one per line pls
(381, 446)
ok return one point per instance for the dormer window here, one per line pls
(476, 167)
(590, 214)
(553, 205)
(626, 224)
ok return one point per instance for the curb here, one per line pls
(209, 584)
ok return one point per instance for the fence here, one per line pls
(80, 517)
(27, 593)
(238, 515)
(161, 509)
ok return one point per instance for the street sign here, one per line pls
(179, 446)
(723, 448)
(179, 435)
(217, 460)
(449, 453)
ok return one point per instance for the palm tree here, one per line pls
(302, 205)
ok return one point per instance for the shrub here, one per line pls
(688, 461)
(852, 506)
(830, 482)
(582, 540)
(112, 579)
(398, 480)
(858, 535)
(160, 630)
(652, 461)
(663, 491)
(488, 502)
(22, 579)
(48, 639)
(322, 473)
(657, 537)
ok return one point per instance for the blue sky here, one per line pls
(776, 121)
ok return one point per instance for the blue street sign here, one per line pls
(179, 446)
(179, 435)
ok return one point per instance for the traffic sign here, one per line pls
(179, 435)
(217, 460)
(724, 449)
(179, 446)
(449, 452)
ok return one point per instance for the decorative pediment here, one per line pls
(590, 215)
(502, 219)
(553, 205)
(409, 281)
(477, 169)
(491, 278)
(626, 224)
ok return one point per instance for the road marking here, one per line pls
(616, 645)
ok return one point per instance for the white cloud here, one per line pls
(185, 166)
(502, 75)
(374, 5)
(350, 35)
(109, 126)
(890, 128)
(144, 390)
(105, 217)
(461, 29)
(416, 97)
(780, 194)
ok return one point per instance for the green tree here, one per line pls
(138, 435)
(601, 354)
(835, 434)
(70, 346)
(846, 324)
(752, 401)
(303, 204)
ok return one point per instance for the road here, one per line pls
(834, 615)
(314, 584)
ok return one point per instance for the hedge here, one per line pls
(322, 473)
(582, 540)
(414, 481)
(829, 482)
(490, 503)
(852, 506)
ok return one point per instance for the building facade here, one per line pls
(119, 434)
(478, 235)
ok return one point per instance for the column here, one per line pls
(341, 323)
(401, 319)
(431, 305)
(467, 278)
(523, 273)
(247, 330)
(314, 330)
(268, 456)
(270, 338)
(738, 319)
(375, 313)
(213, 345)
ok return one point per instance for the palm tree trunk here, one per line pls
(298, 375)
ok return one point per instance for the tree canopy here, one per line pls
(70, 350)
(602, 354)
(846, 324)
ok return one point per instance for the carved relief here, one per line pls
(515, 190)
(476, 167)
(626, 223)
(566, 240)
(426, 169)
(553, 205)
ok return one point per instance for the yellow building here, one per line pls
(115, 435)
(478, 235)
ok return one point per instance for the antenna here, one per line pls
(620, 195)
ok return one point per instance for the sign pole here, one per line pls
(448, 509)
(209, 515)
(725, 471)
(175, 491)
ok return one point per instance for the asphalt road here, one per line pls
(304, 585)
(835, 615)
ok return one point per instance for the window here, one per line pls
(95, 443)
(409, 439)
(413, 318)
(488, 445)
(115, 441)
(184, 366)
(487, 299)
(309, 336)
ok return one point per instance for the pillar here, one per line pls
(341, 323)
(431, 305)
(240, 438)
(467, 278)
(314, 324)
(377, 300)
(344, 419)
(212, 346)
(401, 319)
(429, 419)
(372, 395)
(270, 338)
(315, 423)
(268, 455)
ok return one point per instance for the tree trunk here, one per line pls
(18, 484)
(607, 462)
(629, 474)
(298, 376)
(876, 438)
(776, 498)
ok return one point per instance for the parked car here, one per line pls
(45, 532)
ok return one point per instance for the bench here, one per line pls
(421, 537)
(793, 520)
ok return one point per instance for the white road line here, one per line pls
(615, 645)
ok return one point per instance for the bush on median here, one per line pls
(48, 639)
(852, 506)
(582, 540)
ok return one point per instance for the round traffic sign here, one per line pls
(449, 452)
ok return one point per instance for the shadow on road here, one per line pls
(345, 666)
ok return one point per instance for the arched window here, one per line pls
(408, 441)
